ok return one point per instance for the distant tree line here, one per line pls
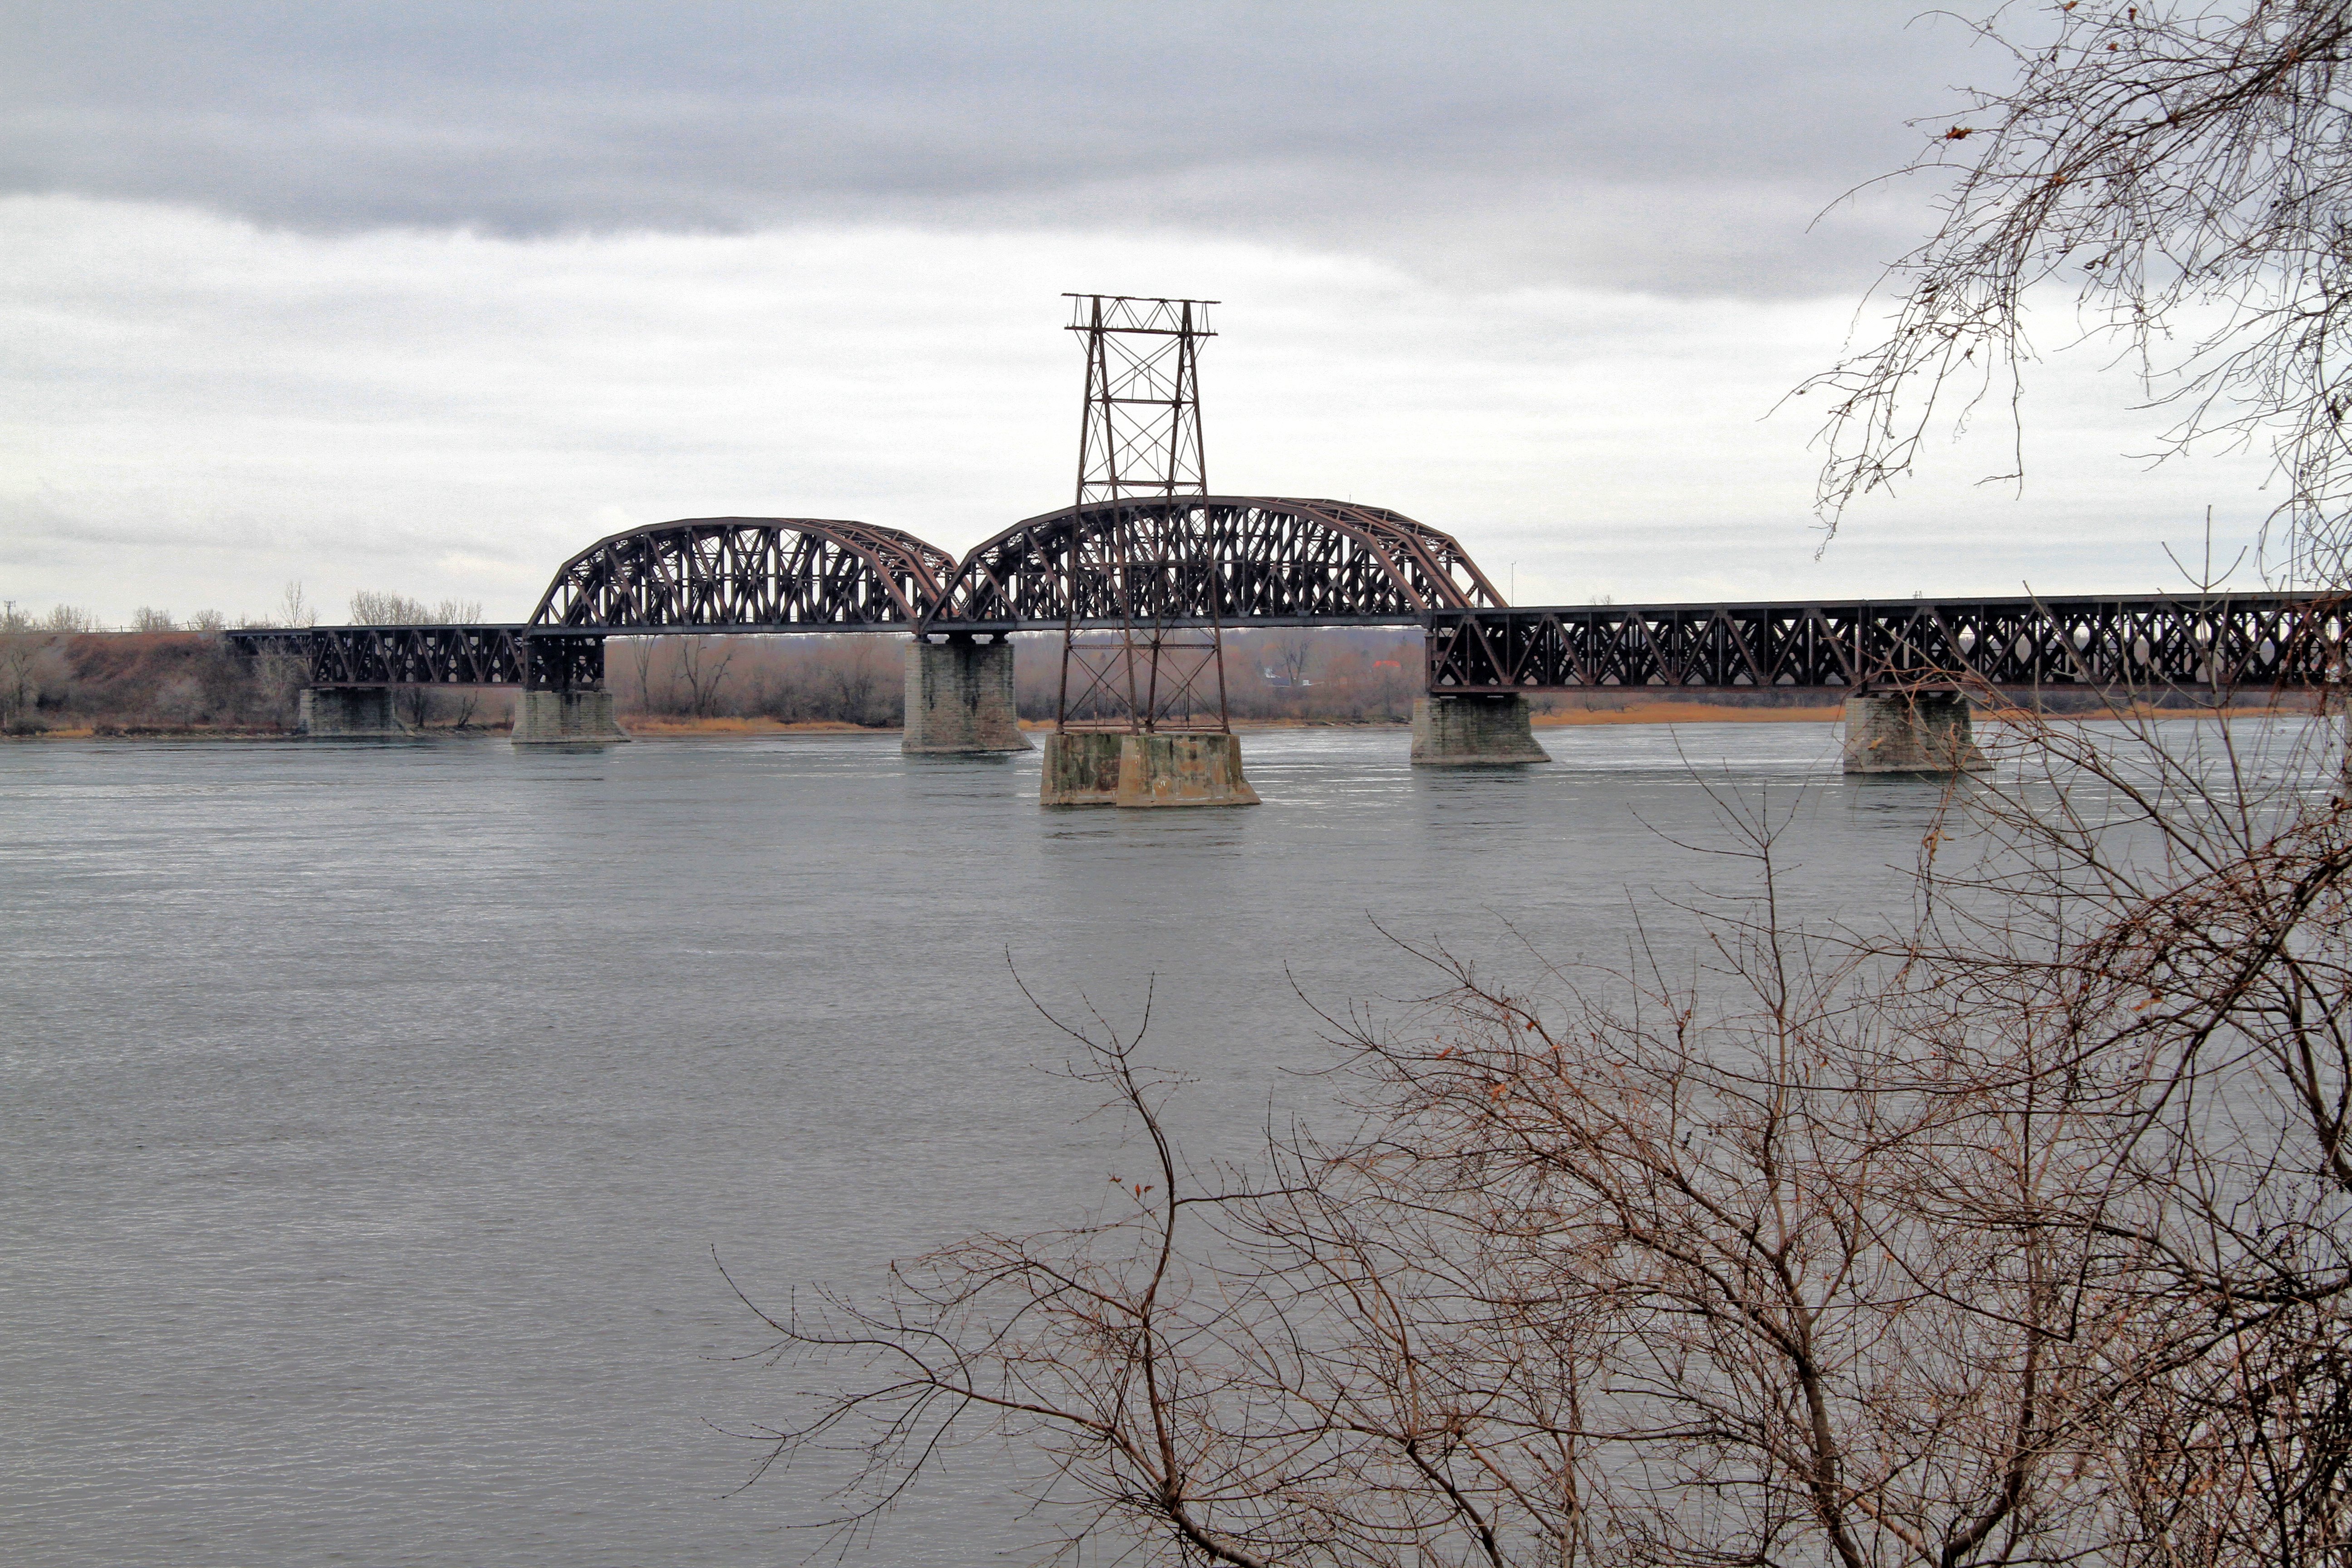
(60, 669)
(791, 680)
(166, 682)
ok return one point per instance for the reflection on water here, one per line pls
(374, 1110)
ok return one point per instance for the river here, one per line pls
(372, 1112)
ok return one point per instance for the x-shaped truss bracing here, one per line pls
(2215, 641)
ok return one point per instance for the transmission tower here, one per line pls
(1140, 452)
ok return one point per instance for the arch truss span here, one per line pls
(1238, 560)
(748, 574)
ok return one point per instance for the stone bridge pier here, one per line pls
(563, 701)
(960, 697)
(346, 712)
(1910, 732)
(573, 718)
(1473, 730)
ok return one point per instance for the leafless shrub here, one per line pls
(149, 620)
(2013, 1232)
(370, 609)
(277, 681)
(181, 701)
(1633, 1281)
(2171, 916)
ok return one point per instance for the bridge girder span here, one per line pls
(2211, 642)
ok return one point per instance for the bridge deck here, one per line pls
(2244, 639)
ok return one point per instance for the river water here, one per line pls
(373, 1111)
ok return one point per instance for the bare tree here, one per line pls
(641, 651)
(149, 620)
(1291, 654)
(21, 655)
(418, 705)
(855, 681)
(2184, 171)
(703, 661)
(277, 681)
(370, 609)
(293, 609)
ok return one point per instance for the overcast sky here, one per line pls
(426, 297)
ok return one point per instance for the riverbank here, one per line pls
(720, 724)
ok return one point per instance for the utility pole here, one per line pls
(1140, 453)
(1140, 718)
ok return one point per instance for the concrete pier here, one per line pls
(1472, 731)
(960, 697)
(1182, 770)
(1081, 769)
(1915, 732)
(565, 718)
(346, 712)
(1093, 768)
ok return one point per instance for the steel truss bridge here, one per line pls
(1267, 560)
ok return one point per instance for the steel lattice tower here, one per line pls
(1140, 452)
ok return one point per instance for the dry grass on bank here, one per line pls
(654, 724)
(1689, 713)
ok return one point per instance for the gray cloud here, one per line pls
(1680, 148)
